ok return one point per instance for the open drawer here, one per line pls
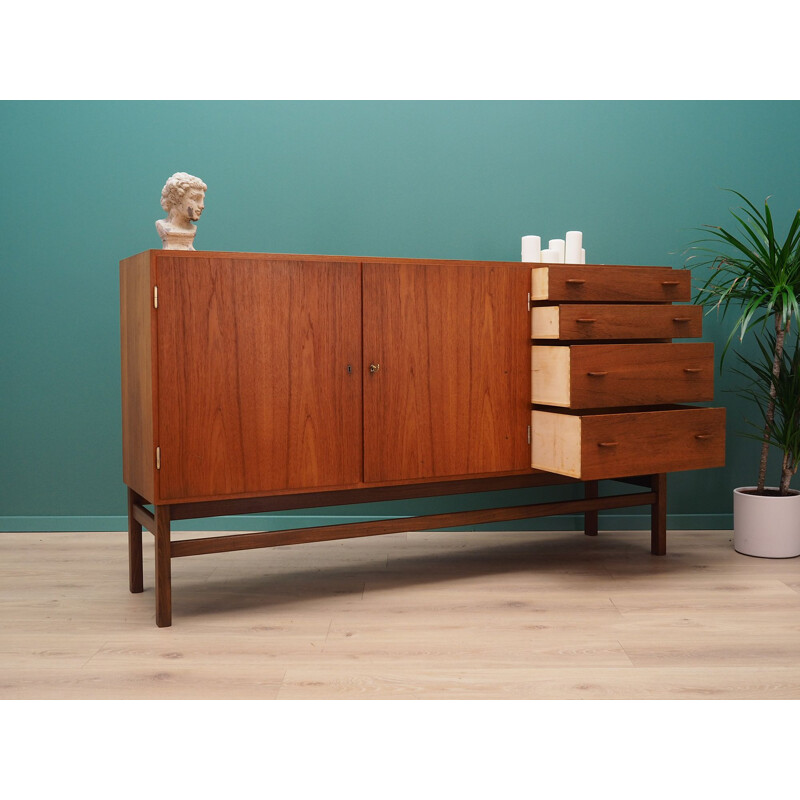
(589, 321)
(573, 283)
(623, 442)
(625, 374)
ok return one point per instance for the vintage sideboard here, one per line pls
(263, 382)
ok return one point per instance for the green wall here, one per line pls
(81, 183)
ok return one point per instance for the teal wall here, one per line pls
(81, 183)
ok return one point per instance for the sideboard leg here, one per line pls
(590, 518)
(135, 575)
(658, 516)
(163, 568)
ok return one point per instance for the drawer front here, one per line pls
(606, 284)
(605, 322)
(598, 446)
(606, 375)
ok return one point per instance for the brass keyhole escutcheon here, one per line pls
(373, 368)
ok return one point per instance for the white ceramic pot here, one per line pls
(764, 526)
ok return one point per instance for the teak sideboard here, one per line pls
(263, 382)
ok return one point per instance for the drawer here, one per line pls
(603, 322)
(578, 283)
(604, 375)
(623, 443)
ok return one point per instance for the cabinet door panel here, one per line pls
(450, 394)
(255, 392)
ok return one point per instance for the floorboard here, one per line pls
(486, 615)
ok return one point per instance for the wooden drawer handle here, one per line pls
(585, 320)
(575, 281)
(598, 374)
(692, 370)
(607, 444)
(703, 436)
(670, 283)
(681, 319)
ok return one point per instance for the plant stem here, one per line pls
(786, 474)
(777, 360)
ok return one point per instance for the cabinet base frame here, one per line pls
(159, 521)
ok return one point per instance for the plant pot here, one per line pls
(766, 526)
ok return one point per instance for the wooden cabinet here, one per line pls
(250, 374)
(263, 382)
(247, 375)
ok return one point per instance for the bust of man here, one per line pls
(183, 198)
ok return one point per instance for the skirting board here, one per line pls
(568, 522)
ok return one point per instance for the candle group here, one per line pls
(568, 250)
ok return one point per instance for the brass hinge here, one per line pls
(529, 434)
(529, 301)
(155, 297)
(158, 458)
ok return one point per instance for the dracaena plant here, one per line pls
(756, 276)
(784, 426)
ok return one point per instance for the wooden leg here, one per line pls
(658, 518)
(590, 518)
(163, 568)
(135, 576)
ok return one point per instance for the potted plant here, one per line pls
(762, 526)
(756, 275)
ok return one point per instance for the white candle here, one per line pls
(549, 257)
(583, 256)
(557, 246)
(532, 249)
(573, 246)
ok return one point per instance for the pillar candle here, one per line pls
(583, 256)
(573, 246)
(532, 249)
(549, 257)
(557, 246)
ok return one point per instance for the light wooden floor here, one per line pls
(420, 615)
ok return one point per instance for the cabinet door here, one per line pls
(258, 372)
(446, 370)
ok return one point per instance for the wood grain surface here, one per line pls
(593, 446)
(258, 365)
(605, 375)
(577, 283)
(137, 340)
(450, 396)
(484, 615)
(652, 441)
(596, 322)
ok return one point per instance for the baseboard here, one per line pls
(567, 522)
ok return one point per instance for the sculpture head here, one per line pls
(183, 196)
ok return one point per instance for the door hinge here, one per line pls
(155, 297)
(158, 458)
(529, 301)
(529, 434)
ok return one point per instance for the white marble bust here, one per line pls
(183, 198)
